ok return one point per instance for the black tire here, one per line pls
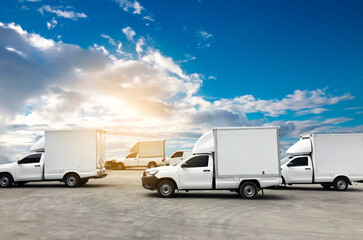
(152, 165)
(6, 180)
(326, 185)
(72, 180)
(248, 190)
(120, 166)
(166, 189)
(340, 184)
(83, 181)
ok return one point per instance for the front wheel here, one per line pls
(72, 180)
(83, 181)
(120, 166)
(248, 190)
(6, 180)
(166, 189)
(340, 184)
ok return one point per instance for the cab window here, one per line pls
(177, 154)
(301, 161)
(34, 158)
(199, 161)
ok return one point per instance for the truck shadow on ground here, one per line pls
(195, 195)
(60, 185)
(316, 189)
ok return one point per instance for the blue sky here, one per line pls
(174, 69)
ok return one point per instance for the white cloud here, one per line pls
(23, 55)
(205, 39)
(188, 58)
(128, 6)
(52, 24)
(140, 43)
(61, 12)
(212, 77)
(129, 32)
(110, 40)
(61, 86)
(149, 18)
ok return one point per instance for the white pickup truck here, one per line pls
(71, 157)
(244, 160)
(177, 157)
(143, 154)
(332, 160)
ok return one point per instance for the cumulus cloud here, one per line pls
(110, 40)
(56, 85)
(62, 12)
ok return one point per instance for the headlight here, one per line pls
(148, 173)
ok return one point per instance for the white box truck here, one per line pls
(143, 154)
(71, 157)
(240, 159)
(327, 159)
(177, 157)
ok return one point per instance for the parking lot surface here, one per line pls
(117, 207)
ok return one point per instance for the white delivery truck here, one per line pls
(71, 157)
(240, 159)
(177, 157)
(143, 154)
(326, 159)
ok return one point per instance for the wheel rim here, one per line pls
(249, 191)
(4, 182)
(341, 184)
(71, 181)
(165, 189)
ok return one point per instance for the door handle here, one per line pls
(307, 168)
(206, 170)
(37, 166)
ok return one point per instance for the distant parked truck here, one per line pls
(143, 154)
(327, 159)
(177, 157)
(71, 157)
(244, 160)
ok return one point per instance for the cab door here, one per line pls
(196, 173)
(30, 168)
(299, 170)
(132, 160)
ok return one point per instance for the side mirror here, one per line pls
(19, 161)
(184, 165)
(289, 164)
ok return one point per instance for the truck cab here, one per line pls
(297, 169)
(177, 157)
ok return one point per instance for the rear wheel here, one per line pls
(152, 165)
(166, 189)
(120, 166)
(6, 180)
(83, 181)
(248, 190)
(340, 184)
(72, 180)
(326, 185)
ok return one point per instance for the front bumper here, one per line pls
(149, 182)
(101, 174)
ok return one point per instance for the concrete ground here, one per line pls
(117, 207)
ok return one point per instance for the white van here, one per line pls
(332, 160)
(244, 160)
(71, 157)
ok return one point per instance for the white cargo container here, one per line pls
(149, 154)
(72, 156)
(244, 160)
(326, 159)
